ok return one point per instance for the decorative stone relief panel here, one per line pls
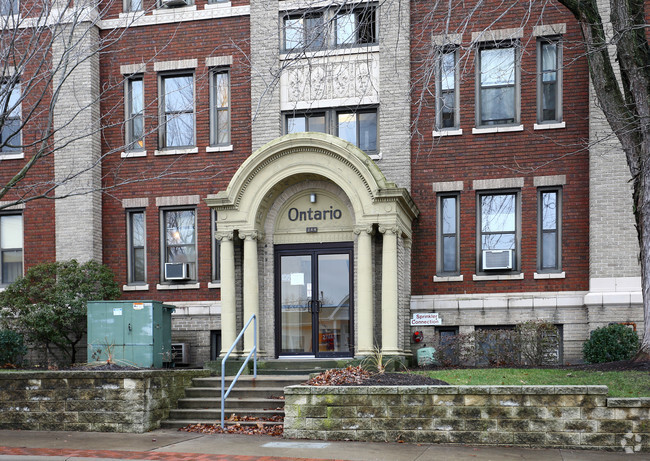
(331, 81)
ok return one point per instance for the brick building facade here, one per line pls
(336, 168)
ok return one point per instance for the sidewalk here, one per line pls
(168, 445)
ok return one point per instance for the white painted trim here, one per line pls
(501, 277)
(442, 133)
(454, 278)
(219, 148)
(549, 126)
(134, 154)
(498, 129)
(188, 286)
(190, 150)
(175, 15)
(549, 275)
(135, 287)
(14, 156)
(214, 284)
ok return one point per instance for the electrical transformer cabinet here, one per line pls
(136, 333)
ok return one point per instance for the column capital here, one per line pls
(389, 229)
(250, 235)
(367, 229)
(226, 235)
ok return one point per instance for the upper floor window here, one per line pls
(136, 256)
(299, 123)
(175, 3)
(10, 104)
(549, 248)
(179, 244)
(304, 32)
(356, 26)
(448, 233)
(8, 7)
(498, 231)
(447, 100)
(220, 114)
(498, 86)
(549, 80)
(11, 247)
(135, 113)
(177, 124)
(132, 5)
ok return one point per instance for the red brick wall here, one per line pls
(162, 176)
(488, 156)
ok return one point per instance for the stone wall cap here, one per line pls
(64, 374)
(628, 402)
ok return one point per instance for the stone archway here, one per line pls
(375, 203)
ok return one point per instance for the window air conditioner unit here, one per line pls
(174, 3)
(497, 259)
(181, 353)
(177, 271)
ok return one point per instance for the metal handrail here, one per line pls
(253, 352)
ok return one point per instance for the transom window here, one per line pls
(306, 122)
(10, 103)
(178, 111)
(498, 81)
(356, 27)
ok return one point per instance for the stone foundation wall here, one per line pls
(97, 401)
(530, 416)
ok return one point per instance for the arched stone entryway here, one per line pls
(272, 183)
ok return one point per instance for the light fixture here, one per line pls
(312, 198)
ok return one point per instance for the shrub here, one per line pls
(610, 344)
(538, 343)
(12, 348)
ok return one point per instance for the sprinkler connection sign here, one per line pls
(426, 319)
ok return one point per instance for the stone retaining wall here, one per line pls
(530, 416)
(99, 401)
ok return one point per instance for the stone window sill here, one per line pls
(442, 133)
(549, 275)
(498, 129)
(13, 155)
(186, 286)
(484, 278)
(450, 278)
(214, 284)
(134, 153)
(219, 148)
(144, 287)
(189, 150)
(549, 126)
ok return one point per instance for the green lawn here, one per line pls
(620, 383)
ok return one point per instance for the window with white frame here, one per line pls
(549, 248)
(8, 7)
(216, 251)
(549, 80)
(356, 26)
(136, 257)
(448, 234)
(135, 113)
(220, 114)
(447, 101)
(132, 5)
(10, 107)
(177, 102)
(498, 227)
(498, 86)
(179, 244)
(357, 126)
(11, 247)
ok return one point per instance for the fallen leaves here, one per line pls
(336, 377)
(274, 430)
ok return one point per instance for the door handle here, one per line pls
(314, 305)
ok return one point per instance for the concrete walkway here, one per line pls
(167, 445)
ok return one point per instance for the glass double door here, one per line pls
(314, 300)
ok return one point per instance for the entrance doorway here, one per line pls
(314, 301)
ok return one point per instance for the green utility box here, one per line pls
(136, 333)
(425, 356)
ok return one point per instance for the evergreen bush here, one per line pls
(12, 348)
(610, 344)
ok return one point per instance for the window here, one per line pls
(549, 81)
(448, 231)
(10, 139)
(135, 113)
(355, 27)
(359, 128)
(548, 239)
(498, 227)
(216, 251)
(306, 122)
(132, 5)
(447, 91)
(8, 7)
(180, 239)
(220, 85)
(136, 235)
(498, 82)
(304, 32)
(11, 247)
(177, 126)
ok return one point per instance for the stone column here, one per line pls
(251, 286)
(365, 308)
(228, 293)
(389, 291)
